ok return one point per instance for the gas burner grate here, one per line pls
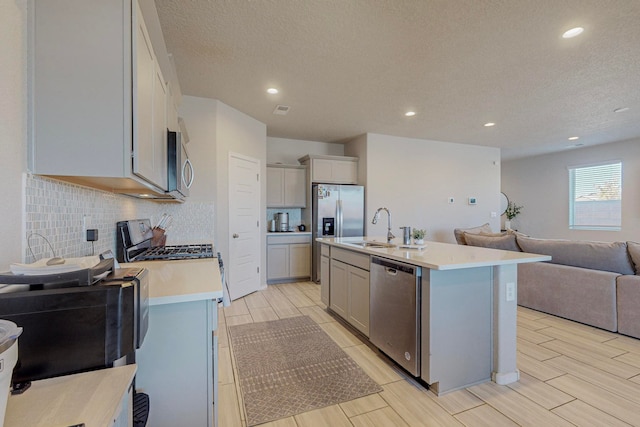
(177, 252)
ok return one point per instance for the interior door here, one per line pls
(244, 226)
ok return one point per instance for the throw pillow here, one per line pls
(593, 255)
(505, 242)
(634, 252)
(459, 232)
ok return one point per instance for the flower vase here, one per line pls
(507, 225)
(418, 241)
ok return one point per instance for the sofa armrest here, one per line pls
(628, 289)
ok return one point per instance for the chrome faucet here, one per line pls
(375, 221)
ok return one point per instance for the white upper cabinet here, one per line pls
(98, 101)
(286, 186)
(332, 169)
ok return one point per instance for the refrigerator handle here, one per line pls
(339, 219)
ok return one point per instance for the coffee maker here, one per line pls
(282, 221)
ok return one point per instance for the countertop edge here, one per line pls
(176, 299)
(385, 253)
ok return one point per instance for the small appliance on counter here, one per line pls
(282, 221)
(9, 333)
(73, 323)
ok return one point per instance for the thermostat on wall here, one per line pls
(472, 200)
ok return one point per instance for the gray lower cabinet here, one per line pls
(288, 257)
(325, 269)
(349, 287)
(456, 327)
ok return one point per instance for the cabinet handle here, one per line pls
(235, 235)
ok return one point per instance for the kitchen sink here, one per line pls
(370, 244)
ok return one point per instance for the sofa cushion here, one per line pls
(634, 253)
(505, 242)
(459, 232)
(593, 255)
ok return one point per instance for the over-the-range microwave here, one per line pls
(180, 173)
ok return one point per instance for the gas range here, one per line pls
(177, 252)
(134, 239)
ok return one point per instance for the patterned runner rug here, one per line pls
(290, 366)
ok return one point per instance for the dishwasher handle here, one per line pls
(394, 267)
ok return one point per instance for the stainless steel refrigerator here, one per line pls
(338, 211)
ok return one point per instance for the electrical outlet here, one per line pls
(511, 291)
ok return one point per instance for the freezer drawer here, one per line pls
(395, 311)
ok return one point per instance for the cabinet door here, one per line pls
(300, 260)
(295, 188)
(277, 261)
(275, 187)
(324, 280)
(345, 172)
(358, 280)
(338, 284)
(144, 78)
(321, 169)
(159, 176)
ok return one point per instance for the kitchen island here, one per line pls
(468, 307)
(177, 363)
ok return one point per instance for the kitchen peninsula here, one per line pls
(468, 307)
(177, 363)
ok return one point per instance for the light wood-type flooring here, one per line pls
(571, 374)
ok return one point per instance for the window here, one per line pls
(595, 199)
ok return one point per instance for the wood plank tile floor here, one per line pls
(571, 375)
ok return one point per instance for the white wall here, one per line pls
(238, 133)
(541, 185)
(12, 127)
(288, 151)
(414, 178)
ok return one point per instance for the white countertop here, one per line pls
(178, 281)
(438, 256)
(90, 398)
(287, 233)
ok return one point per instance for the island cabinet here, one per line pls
(98, 107)
(331, 169)
(349, 287)
(288, 257)
(325, 268)
(286, 186)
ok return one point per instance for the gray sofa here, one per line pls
(595, 283)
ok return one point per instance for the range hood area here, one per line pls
(125, 186)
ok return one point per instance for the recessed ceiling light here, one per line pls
(272, 90)
(410, 113)
(621, 110)
(573, 138)
(488, 125)
(572, 32)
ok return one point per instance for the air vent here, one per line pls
(281, 110)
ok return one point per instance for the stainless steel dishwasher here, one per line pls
(395, 311)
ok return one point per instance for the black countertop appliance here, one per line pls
(73, 323)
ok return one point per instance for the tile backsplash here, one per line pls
(56, 210)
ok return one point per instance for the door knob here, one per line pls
(235, 235)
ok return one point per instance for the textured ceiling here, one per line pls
(347, 67)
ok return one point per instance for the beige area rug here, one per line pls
(290, 366)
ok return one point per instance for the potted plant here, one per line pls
(418, 236)
(511, 212)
